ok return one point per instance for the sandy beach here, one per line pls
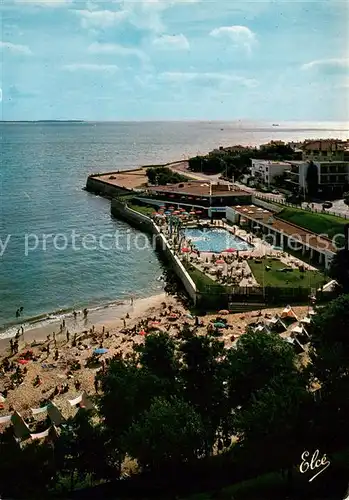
(102, 329)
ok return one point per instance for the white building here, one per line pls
(265, 171)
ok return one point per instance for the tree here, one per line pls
(163, 175)
(81, 452)
(158, 356)
(167, 435)
(329, 333)
(312, 179)
(339, 269)
(203, 374)
(255, 362)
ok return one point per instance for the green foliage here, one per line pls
(330, 368)
(160, 176)
(339, 270)
(237, 164)
(316, 222)
(178, 401)
(169, 433)
(274, 277)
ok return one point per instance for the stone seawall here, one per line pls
(96, 186)
(144, 223)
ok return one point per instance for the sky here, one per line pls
(174, 60)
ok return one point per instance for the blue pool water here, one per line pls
(215, 240)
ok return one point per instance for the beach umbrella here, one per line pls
(182, 209)
(192, 213)
(155, 323)
(185, 249)
(171, 207)
(230, 250)
(162, 206)
(220, 261)
(184, 213)
(219, 324)
(168, 212)
(23, 361)
(199, 211)
(100, 350)
(176, 212)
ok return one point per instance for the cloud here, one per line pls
(239, 35)
(328, 64)
(15, 48)
(110, 68)
(177, 42)
(45, 3)
(101, 18)
(207, 78)
(116, 49)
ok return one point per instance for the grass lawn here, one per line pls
(315, 222)
(294, 279)
(148, 211)
(201, 280)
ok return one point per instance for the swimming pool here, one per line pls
(215, 240)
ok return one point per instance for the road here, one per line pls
(339, 207)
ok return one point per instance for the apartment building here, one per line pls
(265, 171)
(332, 161)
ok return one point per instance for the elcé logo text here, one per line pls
(314, 463)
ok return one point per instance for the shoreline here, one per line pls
(104, 315)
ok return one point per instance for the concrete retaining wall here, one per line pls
(266, 205)
(101, 188)
(121, 210)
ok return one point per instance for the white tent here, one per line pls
(288, 312)
(306, 320)
(4, 420)
(297, 329)
(37, 411)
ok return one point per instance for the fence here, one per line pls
(213, 295)
(292, 205)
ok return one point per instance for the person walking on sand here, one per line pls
(74, 314)
(63, 323)
(68, 335)
(131, 300)
(124, 320)
(11, 346)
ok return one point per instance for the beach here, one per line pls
(109, 329)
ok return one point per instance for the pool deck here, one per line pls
(235, 266)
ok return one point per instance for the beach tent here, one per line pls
(41, 435)
(75, 401)
(297, 329)
(55, 415)
(37, 411)
(276, 324)
(86, 402)
(288, 313)
(4, 420)
(20, 428)
(261, 328)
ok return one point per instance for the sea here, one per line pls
(51, 256)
